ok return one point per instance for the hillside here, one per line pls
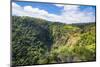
(37, 41)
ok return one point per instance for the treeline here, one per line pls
(37, 41)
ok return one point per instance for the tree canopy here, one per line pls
(37, 41)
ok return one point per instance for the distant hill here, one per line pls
(37, 41)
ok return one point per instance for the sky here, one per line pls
(55, 12)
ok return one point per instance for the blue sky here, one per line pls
(48, 7)
(55, 12)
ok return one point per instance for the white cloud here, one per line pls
(58, 5)
(69, 14)
(33, 12)
(73, 14)
(71, 7)
(15, 5)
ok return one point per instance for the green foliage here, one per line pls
(85, 53)
(37, 41)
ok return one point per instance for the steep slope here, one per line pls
(37, 41)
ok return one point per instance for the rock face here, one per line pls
(37, 41)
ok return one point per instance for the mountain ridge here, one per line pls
(51, 42)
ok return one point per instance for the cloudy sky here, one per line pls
(55, 12)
